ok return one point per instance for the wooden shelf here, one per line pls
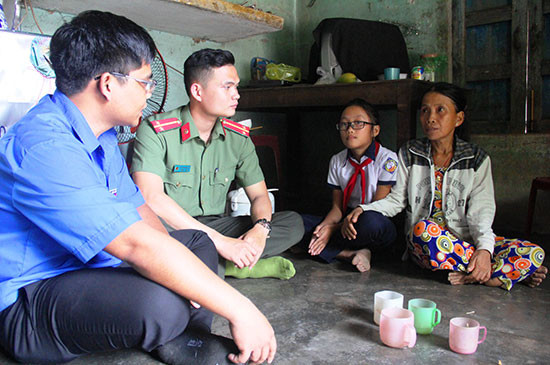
(214, 20)
(404, 95)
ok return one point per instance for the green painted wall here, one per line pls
(516, 161)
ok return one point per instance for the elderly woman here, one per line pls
(447, 187)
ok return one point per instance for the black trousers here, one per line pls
(374, 231)
(91, 310)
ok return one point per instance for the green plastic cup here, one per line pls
(426, 315)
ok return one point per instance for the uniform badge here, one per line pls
(185, 132)
(181, 168)
(235, 127)
(390, 165)
(164, 125)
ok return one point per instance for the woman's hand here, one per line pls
(348, 230)
(480, 266)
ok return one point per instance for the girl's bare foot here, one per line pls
(360, 258)
(536, 278)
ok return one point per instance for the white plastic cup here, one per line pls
(386, 299)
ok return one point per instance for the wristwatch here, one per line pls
(264, 223)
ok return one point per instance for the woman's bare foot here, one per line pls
(536, 278)
(461, 278)
(360, 258)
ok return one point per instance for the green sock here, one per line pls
(273, 267)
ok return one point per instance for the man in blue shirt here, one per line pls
(71, 214)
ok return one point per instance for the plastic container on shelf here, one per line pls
(432, 63)
(429, 62)
(283, 72)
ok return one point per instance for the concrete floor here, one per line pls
(324, 316)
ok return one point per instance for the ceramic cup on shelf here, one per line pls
(386, 299)
(391, 73)
(464, 335)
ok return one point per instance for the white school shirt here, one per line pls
(381, 171)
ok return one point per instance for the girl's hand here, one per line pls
(348, 230)
(319, 239)
(480, 266)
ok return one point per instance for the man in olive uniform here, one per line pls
(185, 160)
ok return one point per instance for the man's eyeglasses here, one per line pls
(148, 85)
(358, 124)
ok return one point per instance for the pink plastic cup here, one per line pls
(464, 335)
(397, 327)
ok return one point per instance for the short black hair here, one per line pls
(459, 99)
(198, 66)
(367, 107)
(95, 42)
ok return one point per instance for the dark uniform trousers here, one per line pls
(287, 230)
(374, 231)
(92, 310)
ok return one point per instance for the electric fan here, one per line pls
(155, 103)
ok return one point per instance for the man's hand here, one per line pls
(164, 260)
(348, 230)
(480, 266)
(320, 237)
(242, 253)
(256, 237)
(255, 339)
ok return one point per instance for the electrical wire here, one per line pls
(175, 69)
(33, 16)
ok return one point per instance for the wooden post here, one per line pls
(459, 42)
(534, 81)
(518, 92)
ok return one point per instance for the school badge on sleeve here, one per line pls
(390, 165)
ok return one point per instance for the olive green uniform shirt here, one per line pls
(197, 175)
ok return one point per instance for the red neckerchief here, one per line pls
(353, 179)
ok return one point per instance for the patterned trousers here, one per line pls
(436, 248)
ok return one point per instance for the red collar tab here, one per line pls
(185, 132)
(236, 127)
(163, 125)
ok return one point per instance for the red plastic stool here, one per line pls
(273, 143)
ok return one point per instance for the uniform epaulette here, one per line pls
(236, 127)
(163, 125)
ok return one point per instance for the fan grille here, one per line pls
(155, 104)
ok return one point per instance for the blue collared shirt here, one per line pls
(64, 195)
